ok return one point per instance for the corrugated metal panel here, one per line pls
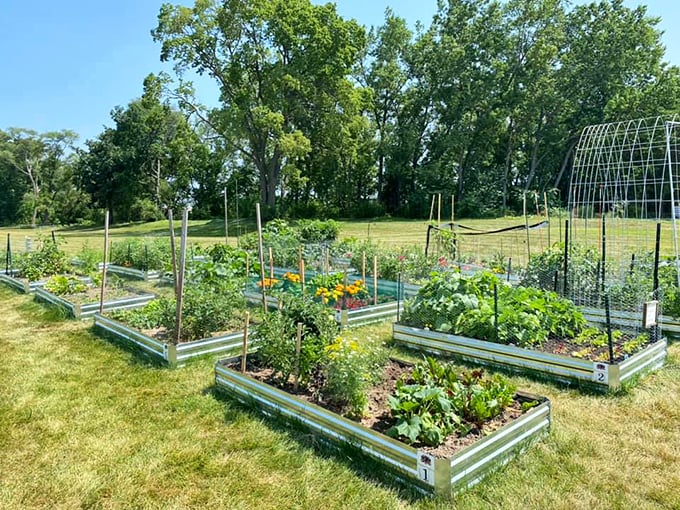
(122, 332)
(398, 457)
(552, 366)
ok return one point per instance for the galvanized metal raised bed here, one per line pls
(83, 311)
(557, 367)
(173, 355)
(23, 286)
(411, 465)
(669, 326)
(131, 272)
(345, 318)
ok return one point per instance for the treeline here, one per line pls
(318, 116)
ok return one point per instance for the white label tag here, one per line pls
(601, 373)
(426, 468)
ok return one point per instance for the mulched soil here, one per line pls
(378, 416)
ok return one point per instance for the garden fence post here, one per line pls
(509, 268)
(8, 255)
(495, 310)
(609, 328)
(375, 279)
(244, 348)
(398, 296)
(106, 261)
(261, 256)
(172, 249)
(226, 219)
(655, 290)
(566, 258)
(298, 346)
(180, 276)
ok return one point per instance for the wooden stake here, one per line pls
(180, 275)
(453, 208)
(439, 209)
(363, 267)
(298, 348)
(261, 255)
(173, 249)
(244, 349)
(226, 219)
(431, 209)
(327, 261)
(526, 224)
(302, 275)
(547, 214)
(375, 279)
(106, 261)
(271, 264)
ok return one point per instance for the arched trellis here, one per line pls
(625, 182)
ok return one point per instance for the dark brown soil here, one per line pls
(566, 347)
(378, 416)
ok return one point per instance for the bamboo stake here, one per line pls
(298, 348)
(431, 209)
(363, 267)
(375, 279)
(106, 261)
(244, 348)
(180, 275)
(302, 275)
(271, 264)
(172, 249)
(226, 219)
(261, 256)
(439, 209)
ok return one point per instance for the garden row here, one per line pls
(430, 425)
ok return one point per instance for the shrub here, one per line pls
(62, 285)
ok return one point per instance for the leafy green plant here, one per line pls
(62, 285)
(351, 369)
(144, 254)
(441, 401)
(47, 260)
(277, 334)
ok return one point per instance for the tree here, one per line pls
(38, 157)
(272, 59)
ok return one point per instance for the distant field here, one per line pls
(622, 237)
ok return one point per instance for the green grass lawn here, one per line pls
(87, 424)
(623, 237)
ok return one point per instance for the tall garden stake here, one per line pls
(8, 255)
(106, 261)
(375, 279)
(271, 264)
(173, 250)
(526, 225)
(608, 316)
(547, 215)
(261, 256)
(566, 257)
(298, 348)
(244, 347)
(180, 274)
(363, 267)
(655, 290)
(226, 219)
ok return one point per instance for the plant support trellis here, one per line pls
(624, 202)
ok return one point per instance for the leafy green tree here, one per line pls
(275, 61)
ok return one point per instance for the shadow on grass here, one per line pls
(342, 452)
(138, 356)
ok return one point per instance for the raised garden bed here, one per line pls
(426, 469)
(170, 353)
(132, 272)
(558, 367)
(78, 309)
(21, 284)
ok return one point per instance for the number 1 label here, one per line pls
(426, 468)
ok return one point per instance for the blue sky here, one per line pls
(67, 63)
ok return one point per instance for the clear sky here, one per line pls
(66, 63)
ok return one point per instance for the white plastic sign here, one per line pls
(601, 373)
(426, 468)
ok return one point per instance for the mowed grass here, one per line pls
(87, 424)
(623, 237)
